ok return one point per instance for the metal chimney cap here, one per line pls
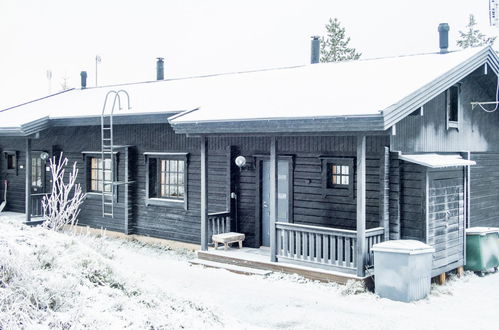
(443, 27)
(83, 76)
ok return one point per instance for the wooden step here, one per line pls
(231, 268)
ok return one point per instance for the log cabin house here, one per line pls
(337, 157)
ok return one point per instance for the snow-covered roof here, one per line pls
(438, 160)
(368, 93)
(352, 88)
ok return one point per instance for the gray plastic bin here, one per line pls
(402, 269)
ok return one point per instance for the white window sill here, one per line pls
(165, 202)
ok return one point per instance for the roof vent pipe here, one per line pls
(315, 50)
(443, 30)
(83, 76)
(160, 69)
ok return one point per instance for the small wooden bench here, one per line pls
(228, 238)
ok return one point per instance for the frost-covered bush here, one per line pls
(49, 280)
(62, 206)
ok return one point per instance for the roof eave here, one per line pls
(315, 125)
(406, 106)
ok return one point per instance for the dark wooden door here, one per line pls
(446, 218)
(38, 183)
(283, 195)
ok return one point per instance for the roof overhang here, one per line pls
(433, 160)
(315, 125)
(406, 106)
(41, 124)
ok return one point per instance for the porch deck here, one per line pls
(259, 259)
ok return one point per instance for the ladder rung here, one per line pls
(107, 128)
(108, 214)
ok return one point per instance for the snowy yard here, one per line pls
(62, 281)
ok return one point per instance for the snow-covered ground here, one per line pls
(62, 281)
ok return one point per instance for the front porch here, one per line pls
(337, 254)
(258, 259)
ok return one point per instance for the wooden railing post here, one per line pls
(204, 194)
(28, 180)
(361, 204)
(273, 197)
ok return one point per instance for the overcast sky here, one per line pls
(198, 37)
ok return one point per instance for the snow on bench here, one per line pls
(228, 238)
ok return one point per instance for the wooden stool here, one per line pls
(228, 238)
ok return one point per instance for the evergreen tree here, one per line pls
(472, 37)
(334, 46)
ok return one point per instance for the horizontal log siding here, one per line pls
(412, 190)
(16, 182)
(176, 223)
(485, 190)
(309, 205)
(478, 130)
(339, 210)
(158, 221)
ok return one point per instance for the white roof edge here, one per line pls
(434, 160)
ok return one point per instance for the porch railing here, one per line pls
(218, 223)
(322, 246)
(36, 204)
(373, 236)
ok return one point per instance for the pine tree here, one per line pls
(472, 37)
(334, 46)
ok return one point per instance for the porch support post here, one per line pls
(27, 203)
(273, 197)
(204, 193)
(361, 204)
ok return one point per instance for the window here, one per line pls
(37, 169)
(166, 179)
(98, 182)
(11, 161)
(452, 105)
(337, 176)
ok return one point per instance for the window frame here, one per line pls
(165, 201)
(87, 158)
(327, 189)
(15, 157)
(448, 103)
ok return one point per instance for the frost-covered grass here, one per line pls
(52, 280)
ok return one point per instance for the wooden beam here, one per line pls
(361, 204)
(441, 278)
(384, 200)
(273, 197)
(127, 179)
(28, 180)
(204, 193)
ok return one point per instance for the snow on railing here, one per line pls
(36, 204)
(218, 223)
(322, 246)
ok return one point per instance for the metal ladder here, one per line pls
(107, 154)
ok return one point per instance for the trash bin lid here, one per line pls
(405, 246)
(481, 230)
